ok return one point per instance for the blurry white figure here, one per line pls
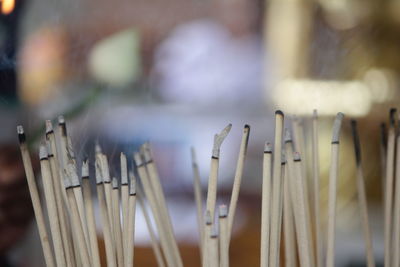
(204, 63)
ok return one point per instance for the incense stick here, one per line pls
(124, 201)
(288, 222)
(117, 222)
(266, 205)
(213, 247)
(154, 243)
(316, 189)
(77, 226)
(389, 186)
(238, 178)
(276, 205)
(130, 227)
(207, 234)
(33, 190)
(213, 178)
(91, 223)
(223, 236)
(362, 200)
(198, 199)
(108, 241)
(51, 207)
(108, 192)
(333, 174)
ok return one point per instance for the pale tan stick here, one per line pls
(362, 201)
(108, 241)
(297, 205)
(130, 229)
(276, 205)
(223, 237)
(213, 247)
(166, 246)
(383, 151)
(117, 222)
(238, 178)
(108, 192)
(162, 204)
(213, 178)
(333, 175)
(266, 206)
(60, 153)
(303, 207)
(207, 233)
(388, 201)
(288, 222)
(55, 173)
(316, 189)
(51, 207)
(299, 144)
(34, 193)
(87, 197)
(77, 227)
(154, 243)
(124, 200)
(198, 196)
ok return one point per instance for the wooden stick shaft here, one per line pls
(288, 222)
(37, 207)
(316, 189)
(108, 241)
(52, 211)
(125, 214)
(213, 251)
(276, 209)
(266, 207)
(154, 243)
(212, 186)
(117, 226)
(223, 242)
(238, 178)
(198, 199)
(82, 213)
(129, 252)
(94, 248)
(77, 227)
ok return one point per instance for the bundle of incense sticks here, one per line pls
(289, 210)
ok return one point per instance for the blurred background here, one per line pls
(175, 73)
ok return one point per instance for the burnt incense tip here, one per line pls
(85, 168)
(247, 127)
(279, 112)
(315, 114)
(214, 232)
(208, 218)
(132, 188)
(49, 150)
(267, 147)
(223, 211)
(43, 152)
(392, 116)
(296, 156)
(98, 173)
(288, 136)
(49, 127)
(337, 124)
(138, 159)
(356, 141)
(114, 183)
(62, 125)
(21, 134)
(283, 158)
(73, 174)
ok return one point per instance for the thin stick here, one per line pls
(124, 201)
(238, 178)
(276, 208)
(362, 201)
(198, 196)
(51, 207)
(117, 222)
(316, 198)
(333, 175)
(154, 243)
(87, 196)
(213, 247)
(168, 253)
(75, 217)
(162, 204)
(223, 236)
(108, 241)
(33, 190)
(389, 187)
(130, 227)
(213, 178)
(207, 233)
(266, 205)
(288, 222)
(383, 151)
(108, 192)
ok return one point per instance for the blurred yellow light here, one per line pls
(7, 6)
(328, 97)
